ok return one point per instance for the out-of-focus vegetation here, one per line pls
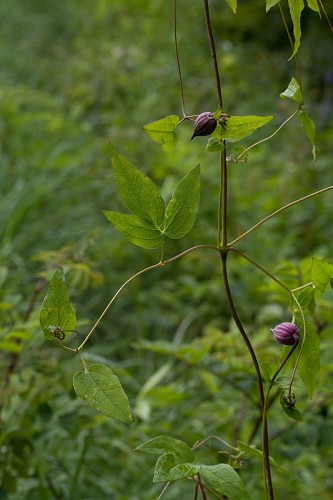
(74, 76)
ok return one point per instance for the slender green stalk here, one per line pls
(181, 86)
(311, 195)
(146, 269)
(212, 436)
(213, 55)
(267, 138)
(326, 15)
(298, 289)
(268, 273)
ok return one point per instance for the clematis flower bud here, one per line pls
(204, 124)
(286, 333)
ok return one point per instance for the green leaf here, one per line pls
(253, 452)
(296, 7)
(233, 5)
(170, 468)
(214, 145)
(139, 193)
(163, 131)
(100, 388)
(313, 4)
(161, 445)
(293, 91)
(182, 208)
(238, 127)
(290, 410)
(321, 274)
(306, 299)
(309, 363)
(270, 4)
(136, 230)
(56, 309)
(225, 480)
(309, 128)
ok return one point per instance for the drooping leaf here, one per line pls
(270, 4)
(137, 230)
(161, 445)
(313, 4)
(233, 5)
(56, 309)
(214, 145)
(182, 209)
(293, 91)
(252, 452)
(295, 8)
(225, 480)
(139, 193)
(163, 131)
(309, 128)
(309, 363)
(238, 127)
(100, 388)
(321, 274)
(306, 299)
(169, 468)
(290, 410)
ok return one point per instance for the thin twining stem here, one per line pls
(154, 266)
(326, 15)
(203, 441)
(177, 57)
(266, 138)
(329, 188)
(213, 54)
(301, 349)
(265, 441)
(164, 490)
(254, 263)
(292, 46)
(298, 289)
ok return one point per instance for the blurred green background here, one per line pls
(75, 75)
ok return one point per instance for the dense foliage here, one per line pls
(74, 76)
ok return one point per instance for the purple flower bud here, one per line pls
(286, 333)
(204, 124)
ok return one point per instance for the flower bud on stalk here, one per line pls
(204, 124)
(286, 333)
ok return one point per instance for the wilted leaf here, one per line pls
(296, 7)
(100, 388)
(309, 128)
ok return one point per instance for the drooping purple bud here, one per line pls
(286, 333)
(204, 124)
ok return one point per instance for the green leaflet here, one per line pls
(313, 4)
(293, 91)
(309, 128)
(321, 273)
(309, 363)
(233, 5)
(252, 452)
(170, 468)
(290, 410)
(295, 8)
(224, 479)
(182, 209)
(270, 4)
(214, 145)
(162, 445)
(100, 388)
(139, 193)
(138, 231)
(306, 299)
(163, 131)
(238, 127)
(56, 309)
